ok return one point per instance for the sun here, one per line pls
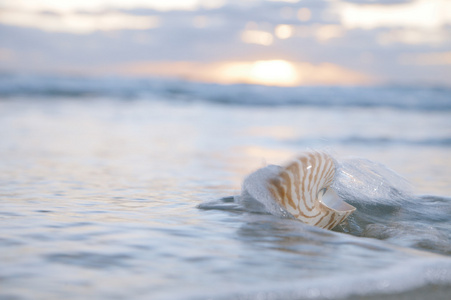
(273, 72)
(265, 72)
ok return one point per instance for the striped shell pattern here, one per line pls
(303, 188)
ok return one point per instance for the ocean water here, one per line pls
(101, 181)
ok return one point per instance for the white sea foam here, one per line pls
(255, 195)
(363, 181)
(411, 274)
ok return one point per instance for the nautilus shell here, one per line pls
(303, 189)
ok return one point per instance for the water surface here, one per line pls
(99, 192)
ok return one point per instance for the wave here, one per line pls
(374, 141)
(416, 279)
(386, 208)
(401, 97)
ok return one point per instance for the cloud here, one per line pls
(382, 2)
(434, 58)
(423, 14)
(414, 37)
(101, 5)
(236, 34)
(6, 54)
(78, 23)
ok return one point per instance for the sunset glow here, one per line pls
(269, 42)
(264, 72)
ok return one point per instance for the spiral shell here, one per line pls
(302, 188)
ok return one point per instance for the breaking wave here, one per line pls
(400, 97)
(386, 207)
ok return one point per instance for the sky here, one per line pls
(284, 43)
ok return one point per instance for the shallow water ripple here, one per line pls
(98, 201)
